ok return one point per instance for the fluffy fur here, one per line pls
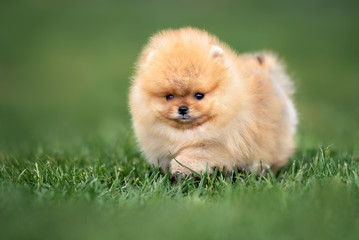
(246, 118)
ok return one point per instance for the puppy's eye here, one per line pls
(169, 97)
(198, 96)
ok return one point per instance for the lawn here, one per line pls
(69, 164)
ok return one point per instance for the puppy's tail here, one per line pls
(276, 69)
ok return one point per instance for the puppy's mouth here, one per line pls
(186, 121)
(185, 118)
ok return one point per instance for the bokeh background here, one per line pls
(65, 66)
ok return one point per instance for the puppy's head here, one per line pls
(183, 74)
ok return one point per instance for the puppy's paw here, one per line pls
(261, 168)
(176, 168)
(185, 168)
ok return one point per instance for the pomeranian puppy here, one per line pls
(197, 105)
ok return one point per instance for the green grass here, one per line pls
(69, 165)
(101, 191)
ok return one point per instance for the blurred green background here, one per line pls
(65, 68)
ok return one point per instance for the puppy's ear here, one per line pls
(149, 57)
(216, 51)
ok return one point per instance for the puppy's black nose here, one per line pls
(183, 110)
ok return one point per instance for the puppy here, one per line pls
(197, 105)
